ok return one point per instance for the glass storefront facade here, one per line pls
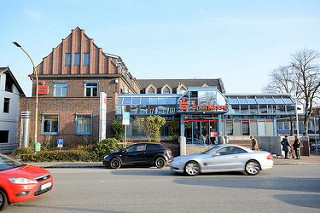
(204, 113)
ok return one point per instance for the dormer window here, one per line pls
(181, 89)
(151, 89)
(166, 89)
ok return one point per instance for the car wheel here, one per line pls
(192, 168)
(115, 163)
(160, 163)
(252, 167)
(3, 200)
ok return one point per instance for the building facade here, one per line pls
(204, 114)
(71, 78)
(74, 74)
(10, 94)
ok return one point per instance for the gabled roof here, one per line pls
(175, 83)
(79, 42)
(7, 71)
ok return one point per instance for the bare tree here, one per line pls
(307, 73)
(281, 81)
(301, 79)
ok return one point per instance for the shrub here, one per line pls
(173, 130)
(105, 147)
(48, 156)
(19, 151)
(152, 127)
(96, 153)
(118, 129)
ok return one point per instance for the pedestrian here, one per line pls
(254, 143)
(296, 146)
(285, 146)
(222, 140)
(291, 155)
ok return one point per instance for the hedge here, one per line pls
(48, 156)
(104, 147)
(20, 151)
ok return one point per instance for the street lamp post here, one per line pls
(297, 116)
(36, 114)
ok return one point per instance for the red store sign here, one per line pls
(184, 105)
(43, 89)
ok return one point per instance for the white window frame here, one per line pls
(91, 89)
(60, 89)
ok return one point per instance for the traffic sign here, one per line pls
(60, 143)
(126, 118)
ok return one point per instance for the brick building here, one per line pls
(72, 76)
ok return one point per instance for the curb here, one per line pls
(60, 165)
(84, 165)
(70, 167)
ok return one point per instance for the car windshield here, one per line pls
(213, 149)
(8, 163)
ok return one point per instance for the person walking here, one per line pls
(254, 143)
(285, 146)
(296, 146)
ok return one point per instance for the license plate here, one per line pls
(45, 186)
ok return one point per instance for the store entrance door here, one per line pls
(203, 131)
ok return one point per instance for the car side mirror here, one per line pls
(124, 151)
(216, 154)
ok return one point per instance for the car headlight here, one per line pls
(21, 180)
(105, 157)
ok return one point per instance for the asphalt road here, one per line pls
(294, 188)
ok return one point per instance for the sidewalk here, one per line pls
(305, 160)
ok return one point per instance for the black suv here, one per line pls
(139, 154)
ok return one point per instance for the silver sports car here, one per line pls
(223, 158)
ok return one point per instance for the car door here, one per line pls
(225, 159)
(133, 154)
(153, 150)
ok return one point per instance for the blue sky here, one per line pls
(240, 42)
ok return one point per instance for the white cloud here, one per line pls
(32, 13)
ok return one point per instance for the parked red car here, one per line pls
(21, 182)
